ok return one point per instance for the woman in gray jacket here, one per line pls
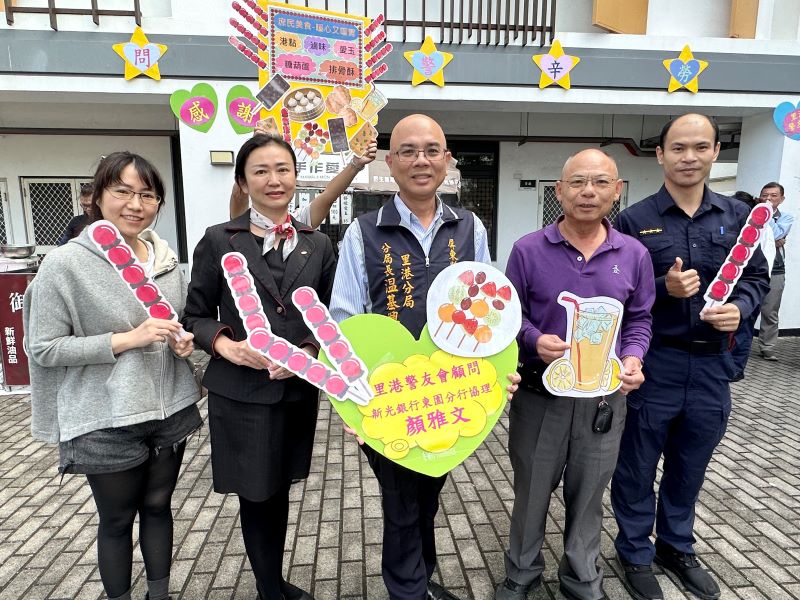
(110, 385)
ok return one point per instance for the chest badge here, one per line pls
(650, 231)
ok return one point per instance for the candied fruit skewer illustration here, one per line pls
(483, 335)
(261, 338)
(247, 53)
(445, 314)
(376, 22)
(470, 327)
(333, 341)
(105, 235)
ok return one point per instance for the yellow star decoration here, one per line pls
(140, 55)
(428, 63)
(555, 66)
(684, 71)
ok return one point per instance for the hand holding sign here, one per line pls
(680, 283)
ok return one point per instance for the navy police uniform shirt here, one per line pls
(703, 242)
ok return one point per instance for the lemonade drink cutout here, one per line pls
(590, 367)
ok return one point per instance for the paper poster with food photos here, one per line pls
(316, 70)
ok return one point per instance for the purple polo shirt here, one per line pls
(543, 264)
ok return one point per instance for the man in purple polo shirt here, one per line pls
(548, 435)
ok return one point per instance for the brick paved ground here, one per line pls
(748, 525)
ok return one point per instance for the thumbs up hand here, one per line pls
(680, 283)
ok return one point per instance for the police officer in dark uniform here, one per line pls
(682, 409)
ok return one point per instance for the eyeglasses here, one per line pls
(771, 195)
(600, 182)
(121, 193)
(433, 153)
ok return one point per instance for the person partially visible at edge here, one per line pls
(550, 437)
(681, 410)
(262, 418)
(780, 226)
(111, 386)
(78, 222)
(743, 338)
(316, 211)
(416, 223)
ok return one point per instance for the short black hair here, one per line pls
(257, 141)
(109, 172)
(745, 197)
(668, 125)
(773, 184)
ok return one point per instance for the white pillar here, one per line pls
(766, 9)
(765, 155)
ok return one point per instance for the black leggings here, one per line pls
(147, 490)
(264, 531)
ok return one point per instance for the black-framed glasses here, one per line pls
(125, 194)
(600, 182)
(409, 154)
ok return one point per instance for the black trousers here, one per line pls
(410, 502)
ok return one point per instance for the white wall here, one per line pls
(77, 156)
(689, 18)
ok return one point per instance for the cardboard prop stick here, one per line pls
(731, 270)
(108, 240)
(261, 338)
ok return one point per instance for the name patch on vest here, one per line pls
(451, 244)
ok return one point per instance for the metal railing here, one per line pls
(54, 11)
(488, 22)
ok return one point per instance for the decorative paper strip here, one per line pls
(245, 51)
(109, 241)
(590, 367)
(731, 270)
(261, 339)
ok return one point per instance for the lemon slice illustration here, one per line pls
(561, 376)
(611, 380)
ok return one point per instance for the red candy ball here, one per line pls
(316, 373)
(254, 321)
(303, 297)
(339, 350)
(159, 310)
(298, 361)
(718, 290)
(750, 235)
(335, 385)
(232, 264)
(759, 216)
(147, 293)
(740, 254)
(315, 314)
(104, 235)
(278, 350)
(351, 368)
(119, 255)
(133, 274)
(260, 339)
(240, 283)
(248, 302)
(729, 272)
(327, 332)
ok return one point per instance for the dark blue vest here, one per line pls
(398, 271)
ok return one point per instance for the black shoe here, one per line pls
(570, 596)
(738, 377)
(147, 596)
(687, 568)
(640, 581)
(437, 592)
(292, 592)
(511, 590)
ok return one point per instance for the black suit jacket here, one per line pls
(210, 309)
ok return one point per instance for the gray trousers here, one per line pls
(770, 307)
(550, 438)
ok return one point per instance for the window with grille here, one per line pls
(50, 204)
(551, 208)
(3, 212)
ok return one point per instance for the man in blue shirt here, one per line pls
(781, 224)
(681, 411)
(420, 232)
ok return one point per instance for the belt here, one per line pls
(531, 375)
(697, 347)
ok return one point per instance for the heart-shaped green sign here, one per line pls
(431, 409)
(197, 108)
(241, 106)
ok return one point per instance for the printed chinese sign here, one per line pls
(430, 409)
(555, 66)
(15, 361)
(787, 119)
(196, 108)
(140, 55)
(590, 367)
(684, 71)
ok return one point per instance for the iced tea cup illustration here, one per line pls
(589, 367)
(373, 103)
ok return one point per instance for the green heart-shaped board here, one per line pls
(196, 108)
(416, 419)
(240, 105)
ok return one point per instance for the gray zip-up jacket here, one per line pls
(72, 307)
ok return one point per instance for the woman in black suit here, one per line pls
(261, 417)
